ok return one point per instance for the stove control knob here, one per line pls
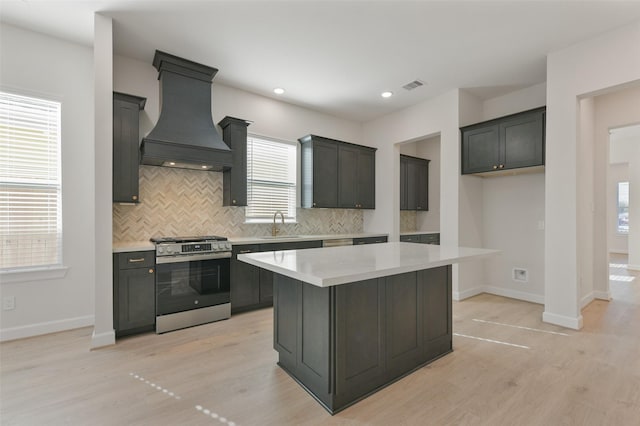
(227, 246)
(160, 249)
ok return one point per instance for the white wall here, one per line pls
(513, 207)
(426, 119)
(591, 66)
(44, 66)
(585, 200)
(513, 212)
(614, 109)
(618, 243)
(103, 332)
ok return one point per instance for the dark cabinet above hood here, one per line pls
(185, 135)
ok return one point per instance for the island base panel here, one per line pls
(345, 342)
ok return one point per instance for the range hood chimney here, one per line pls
(185, 135)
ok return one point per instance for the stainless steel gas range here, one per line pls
(192, 281)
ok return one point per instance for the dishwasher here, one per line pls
(337, 242)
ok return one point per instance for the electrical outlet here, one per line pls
(520, 274)
(8, 303)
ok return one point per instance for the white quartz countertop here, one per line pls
(292, 238)
(133, 246)
(329, 266)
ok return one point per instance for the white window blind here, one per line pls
(271, 179)
(30, 189)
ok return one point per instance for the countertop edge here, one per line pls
(361, 276)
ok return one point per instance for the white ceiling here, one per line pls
(337, 57)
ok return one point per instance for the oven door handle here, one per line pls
(192, 257)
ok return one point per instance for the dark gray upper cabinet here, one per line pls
(234, 134)
(414, 183)
(510, 142)
(337, 174)
(126, 146)
(319, 172)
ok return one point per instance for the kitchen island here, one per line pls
(350, 320)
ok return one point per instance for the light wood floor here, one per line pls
(228, 369)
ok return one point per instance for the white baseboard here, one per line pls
(461, 295)
(602, 295)
(100, 340)
(514, 294)
(586, 300)
(618, 251)
(564, 321)
(45, 328)
(634, 267)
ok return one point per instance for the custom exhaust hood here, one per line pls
(185, 136)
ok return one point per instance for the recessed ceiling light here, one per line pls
(278, 90)
(386, 94)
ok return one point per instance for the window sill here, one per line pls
(33, 274)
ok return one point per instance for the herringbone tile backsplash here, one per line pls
(178, 202)
(408, 220)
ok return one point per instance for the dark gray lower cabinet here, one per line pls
(134, 296)
(345, 342)
(369, 240)
(421, 238)
(252, 287)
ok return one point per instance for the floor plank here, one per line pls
(226, 373)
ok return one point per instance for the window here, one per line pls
(623, 207)
(271, 179)
(30, 189)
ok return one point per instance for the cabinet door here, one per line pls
(125, 151)
(414, 238)
(325, 174)
(136, 298)
(245, 279)
(404, 330)
(403, 183)
(430, 239)
(412, 184)
(266, 286)
(522, 141)
(369, 240)
(436, 319)
(480, 149)
(422, 185)
(234, 134)
(347, 176)
(366, 179)
(360, 338)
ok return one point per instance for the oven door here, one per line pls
(184, 283)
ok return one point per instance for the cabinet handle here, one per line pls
(151, 271)
(495, 167)
(233, 201)
(134, 197)
(141, 259)
(314, 204)
(245, 251)
(502, 166)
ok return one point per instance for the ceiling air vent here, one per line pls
(413, 85)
